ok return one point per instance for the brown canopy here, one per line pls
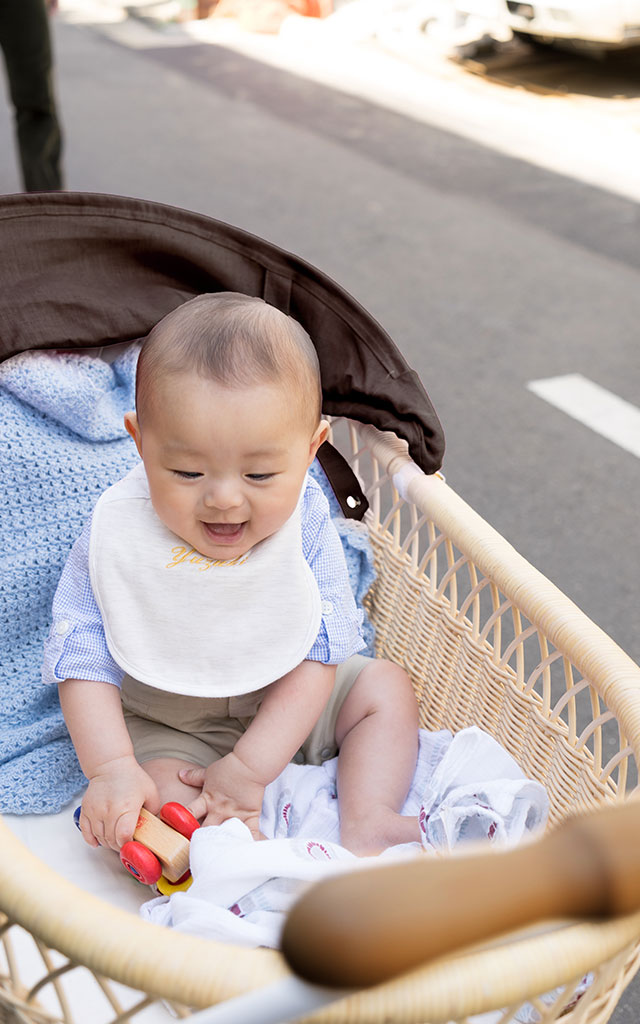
(82, 270)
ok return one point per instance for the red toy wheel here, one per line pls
(179, 818)
(141, 862)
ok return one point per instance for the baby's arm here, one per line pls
(78, 661)
(234, 786)
(118, 785)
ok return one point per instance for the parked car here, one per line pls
(606, 23)
(600, 24)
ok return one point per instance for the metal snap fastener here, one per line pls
(353, 502)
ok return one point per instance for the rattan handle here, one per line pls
(365, 927)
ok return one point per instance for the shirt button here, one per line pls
(62, 627)
(326, 752)
(327, 608)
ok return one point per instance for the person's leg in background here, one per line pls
(26, 45)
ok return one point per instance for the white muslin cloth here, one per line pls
(465, 788)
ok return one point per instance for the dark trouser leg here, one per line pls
(26, 44)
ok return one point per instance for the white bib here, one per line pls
(185, 623)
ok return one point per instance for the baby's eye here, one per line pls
(260, 476)
(184, 475)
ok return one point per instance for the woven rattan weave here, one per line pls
(487, 640)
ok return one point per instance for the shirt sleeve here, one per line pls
(340, 633)
(76, 647)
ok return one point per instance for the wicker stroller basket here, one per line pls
(487, 641)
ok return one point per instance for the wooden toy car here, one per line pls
(158, 854)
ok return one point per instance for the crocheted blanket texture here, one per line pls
(62, 442)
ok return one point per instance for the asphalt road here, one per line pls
(488, 271)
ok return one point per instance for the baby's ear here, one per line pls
(319, 437)
(132, 427)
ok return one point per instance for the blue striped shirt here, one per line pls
(76, 647)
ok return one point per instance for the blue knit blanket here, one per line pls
(62, 442)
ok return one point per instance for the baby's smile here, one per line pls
(224, 533)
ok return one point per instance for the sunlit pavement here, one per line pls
(564, 114)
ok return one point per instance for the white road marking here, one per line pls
(599, 409)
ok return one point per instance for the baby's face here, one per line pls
(225, 466)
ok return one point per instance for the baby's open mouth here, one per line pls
(225, 533)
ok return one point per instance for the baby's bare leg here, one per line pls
(164, 772)
(377, 737)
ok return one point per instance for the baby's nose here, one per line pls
(222, 496)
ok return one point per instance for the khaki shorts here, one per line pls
(203, 729)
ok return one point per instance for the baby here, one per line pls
(204, 630)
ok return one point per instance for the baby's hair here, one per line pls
(236, 340)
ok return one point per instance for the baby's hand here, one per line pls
(229, 790)
(110, 808)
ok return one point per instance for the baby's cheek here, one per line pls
(279, 508)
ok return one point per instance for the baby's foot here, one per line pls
(380, 829)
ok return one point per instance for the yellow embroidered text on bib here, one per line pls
(185, 623)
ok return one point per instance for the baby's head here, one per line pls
(228, 420)
(237, 341)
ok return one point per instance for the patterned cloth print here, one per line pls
(242, 890)
(62, 442)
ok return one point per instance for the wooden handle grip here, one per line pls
(365, 927)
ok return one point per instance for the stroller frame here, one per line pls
(487, 641)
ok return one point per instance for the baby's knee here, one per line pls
(382, 687)
(387, 681)
(401, 692)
